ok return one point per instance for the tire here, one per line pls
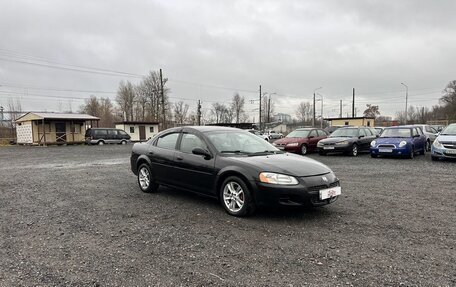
(354, 150)
(304, 149)
(101, 142)
(412, 153)
(145, 179)
(428, 145)
(320, 152)
(236, 197)
(423, 150)
(123, 142)
(374, 155)
(434, 158)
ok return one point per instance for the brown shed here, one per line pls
(53, 128)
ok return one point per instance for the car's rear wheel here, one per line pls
(123, 142)
(354, 150)
(101, 142)
(428, 145)
(236, 197)
(145, 179)
(374, 155)
(304, 149)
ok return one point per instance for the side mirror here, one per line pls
(416, 136)
(360, 137)
(437, 134)
(311, 137)
(201, 151)
(377, 135)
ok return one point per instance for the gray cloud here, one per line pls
(290, 47)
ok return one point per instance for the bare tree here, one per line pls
(371, 111)
(237, 107)
(180, 112)
(91, 106)
(126, 99)
(303, 111)
(221, 113)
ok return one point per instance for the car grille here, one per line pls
(449, 145)
(386, 145)
(319, 187)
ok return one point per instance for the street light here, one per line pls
(313, 119)
(406, 100)
(321, 115)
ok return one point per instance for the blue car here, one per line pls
(403, 141)
(444, 145)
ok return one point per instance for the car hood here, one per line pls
(449, 138)
(391, 140)
(336, 140)
(286, 163)
(289, 140)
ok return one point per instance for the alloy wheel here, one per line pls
(303, 149)
(144, 178)
(354, 150)
(233, 196)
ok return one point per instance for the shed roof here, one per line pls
(136, 123)
(30, 116)
(352, 118)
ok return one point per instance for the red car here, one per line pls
(301, 141)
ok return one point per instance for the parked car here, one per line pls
(438, 128)
(399, 141)
(258, 134)
(349, 140)
(274, 135)
(430, 133)
(103, 136)
(234, 166)
(331, 129)
(444, 146)
(301, 140)
(379, 130)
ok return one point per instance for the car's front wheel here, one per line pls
(236, 197)
(428, 145)
(412, 153)
(354, 150)
(304, 149)
(145, 179)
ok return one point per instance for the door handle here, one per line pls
(179, 157)
(151, 153)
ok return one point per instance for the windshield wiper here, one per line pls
(235, 151)
(267, 152)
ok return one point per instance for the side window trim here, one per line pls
(167, 134)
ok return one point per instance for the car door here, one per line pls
(421, 139)
(195, 172)
(361, 139)
(162, 154)
(313, 139)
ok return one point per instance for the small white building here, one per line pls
(139, 131)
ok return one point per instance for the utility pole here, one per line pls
(269, 108)
(353, 104)
(313, 118)
(340, 113)
(162, 99)
(198, 113)
(259, 119)
(1, 115)
(406, 100)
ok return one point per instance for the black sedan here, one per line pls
(350, 140)
(238, 168)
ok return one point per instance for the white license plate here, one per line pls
(450, 151)
(328, 147)
(281, 147)
(385, 150)
(330, 192)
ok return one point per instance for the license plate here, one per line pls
(281, 147)
(328, 147)
(450, 151)
(385, 150)
(330, 192)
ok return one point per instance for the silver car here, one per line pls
(430, 133)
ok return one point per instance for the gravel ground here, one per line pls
(74, 216)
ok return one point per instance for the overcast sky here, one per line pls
(211, 49)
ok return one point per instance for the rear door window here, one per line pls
(313, 133)
(361, 132)
(168, 141)
(322, 133)
(112, 134)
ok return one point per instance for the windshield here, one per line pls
(350, 133)
(298, 134)
(396, 133)
(449, 130)
(239, 142)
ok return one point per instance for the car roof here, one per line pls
(400, 127)
(205, 129)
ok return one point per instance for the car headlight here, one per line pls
(437, 144)
(373, 143)
(402, 144)
(274, 143)
(277, 178)
(293, 144)
(342, 143)
(319, 144)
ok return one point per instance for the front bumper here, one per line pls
(305, 193)
(334, 148)
(443, 153)
(390, 151)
